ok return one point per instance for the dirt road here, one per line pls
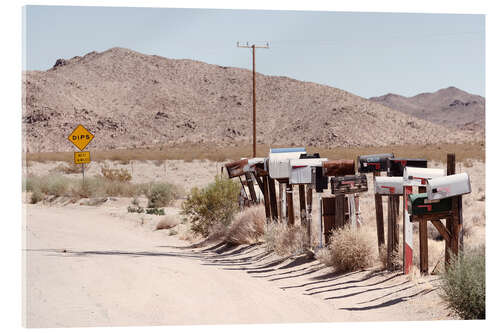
(88, 266)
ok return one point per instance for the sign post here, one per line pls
(81, 137)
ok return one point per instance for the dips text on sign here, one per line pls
(82, 157)
(80, 137)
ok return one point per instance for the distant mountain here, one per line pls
(450, 107)
(129, 99)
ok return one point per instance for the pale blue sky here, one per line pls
(368, 54)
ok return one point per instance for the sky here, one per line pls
(368, 54)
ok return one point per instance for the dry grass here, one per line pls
(69, 168)
(190, 152)
(285, 240)
(248, 226)
(351, 249)
(167, 222)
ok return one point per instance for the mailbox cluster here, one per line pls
(438, 197)
(294, 167)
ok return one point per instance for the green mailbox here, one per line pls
(418, 205)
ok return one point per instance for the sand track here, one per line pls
(86, 267)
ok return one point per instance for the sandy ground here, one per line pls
(102, 266)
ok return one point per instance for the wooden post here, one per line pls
(379, 214)
(251, 188)
(328, 211)
(309, 202)
(450, 170)
(289, 203)
(392, 231)
(266, 198)
(272, 198)
(424, 254)
(280, 202)
(302, 204)
(339, 211)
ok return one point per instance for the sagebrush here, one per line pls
(351, 249)
(463, 284)
(286, 240)
(162, 194)
(214, 205)
(248, 226)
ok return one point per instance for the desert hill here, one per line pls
(449, 107)
(129, 99)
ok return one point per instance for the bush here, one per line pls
(463, 284)
(167, 222)
(36, 196)
(162, 194)
(70, 168)
(213, 205)
(133, 209)
(285, 240)
(121, 175)
(351, 249)
(155, 211)
(248, 226)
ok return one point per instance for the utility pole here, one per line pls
(253, 47)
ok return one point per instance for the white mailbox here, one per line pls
(389, 185)
(252, 162)
(301, 170)
(279, 161)
(420, 176)
(448, 186)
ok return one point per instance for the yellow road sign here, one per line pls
(82, 157)
(80, 137)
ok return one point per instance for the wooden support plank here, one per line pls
(460, 224)
(267, 205)
(424, 249)
(272, 198)
(289, 203)
(259, 182)
(379, 214)
(309, 203)
(450, 170)
(390, 232)
(339, 220)
(442, 230)
(302, 205)
(251, 188)
(407, 233)
(280, 202)
(328, 212)
(455, 231)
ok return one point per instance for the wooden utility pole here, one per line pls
(253, 47)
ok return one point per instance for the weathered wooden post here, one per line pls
(309, 202)
(272, 199)
(289, 202)
(267, 203)
(450, 170)
(302, 205)
(379, 214)
(251, 188)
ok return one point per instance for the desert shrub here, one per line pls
(135, 209)
(172, 232)
(463, 284)
(155, 211)
(167, 222)
(213, 205)
(121, 175)
(351, 249)
(285, 240)
(248, 226)
(36, 196)
(69, 168)
(53, 184)
(162, 194)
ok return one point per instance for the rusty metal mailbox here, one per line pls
(396, 165)
(371, 163)
(236, 168)
(338, 168)
(349, 184)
